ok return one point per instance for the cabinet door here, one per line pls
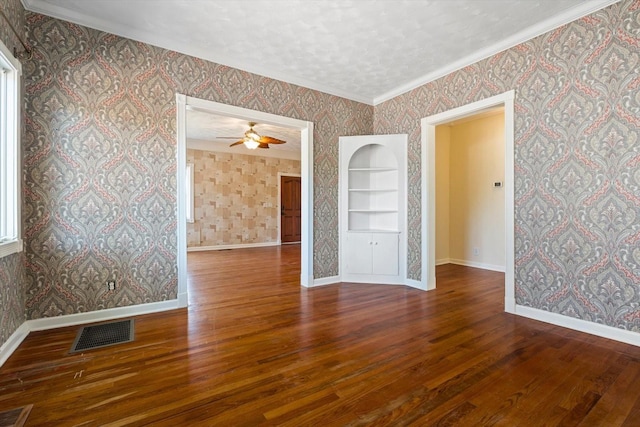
(359, 253)
(385, 253)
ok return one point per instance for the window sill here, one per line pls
(11, 247)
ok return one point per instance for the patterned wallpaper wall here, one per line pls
(236, 198)
(100, 162)
(100, 171)
(15, 12)
(577, 161)
(12, 295)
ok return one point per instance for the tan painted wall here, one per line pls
(443, 136)
(236, 198)
(476, 207)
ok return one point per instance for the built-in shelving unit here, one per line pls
(373, 207)
(373, 189)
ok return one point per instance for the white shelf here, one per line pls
(372, 186)
(374, 230)
(374, 210)
(372, 169)
(365, 190)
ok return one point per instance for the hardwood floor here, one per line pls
(256, 349)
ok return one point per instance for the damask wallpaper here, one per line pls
(100, 189)
(99, 168)
(235, 198)
(577, 161)
(12, 296)
(15, 13)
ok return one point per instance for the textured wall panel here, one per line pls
(577, 161)
(236, 198)
(100, 162)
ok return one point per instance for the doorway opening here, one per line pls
(469, 191)
(305, 128)
(428, 232)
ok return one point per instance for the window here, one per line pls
(10, 71)
(189, 182)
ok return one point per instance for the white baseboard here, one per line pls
(183, 300)
(337, 279)
(225, 247)
(592, 328)
(481, 265)
(100, 315)
(13, 342)
(443, 261)
(416, 284)
(326, 281)
(46, 323)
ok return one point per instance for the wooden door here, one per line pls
(290, 209)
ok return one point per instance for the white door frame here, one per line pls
(306, 167)
(428, 195)
(280, 175)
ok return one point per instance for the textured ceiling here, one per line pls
(203, 126)
(365, 50)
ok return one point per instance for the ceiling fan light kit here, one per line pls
(253, 140)
(251, 144)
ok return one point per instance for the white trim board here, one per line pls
(604, 331)
(465, 263)
(480, 265)
(306, 171)
(326, 281)
(13, 342)
(226, 247)
(46, 323)
(428, 181)
(219, 147)
(417, 284)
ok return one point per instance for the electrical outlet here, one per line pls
(476, 252)
(111, 285)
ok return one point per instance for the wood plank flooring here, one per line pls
(254, 348)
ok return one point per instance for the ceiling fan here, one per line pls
(253, 140)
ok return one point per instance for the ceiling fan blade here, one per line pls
(271, 140)
(263, 145)
(237, 143)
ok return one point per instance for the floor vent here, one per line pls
(15, 417)
(103, 335)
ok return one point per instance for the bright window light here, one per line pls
(189, 182)
(10, 72)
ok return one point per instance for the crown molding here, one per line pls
(167, 42)
(527, 34)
